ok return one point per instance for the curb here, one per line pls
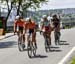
(5, 36)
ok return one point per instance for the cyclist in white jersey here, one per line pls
(45, 27)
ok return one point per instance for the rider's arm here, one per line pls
(25, 27)
(15, 24)
(41, 25)
(34, 27)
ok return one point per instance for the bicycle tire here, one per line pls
(34, 50)
(29, 50)
(46, 46)
(20, 45)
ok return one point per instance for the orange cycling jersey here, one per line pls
(30, 25)
(19, 23)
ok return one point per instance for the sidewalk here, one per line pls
(5, 36)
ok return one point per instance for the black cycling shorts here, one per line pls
(31, 31)
(21, 29)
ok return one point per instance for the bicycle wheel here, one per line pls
(49, 44)
(46, 42)
(20, 44)
(29, 50)
(57, 38)
(34, 49)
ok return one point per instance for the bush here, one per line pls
(73, 60)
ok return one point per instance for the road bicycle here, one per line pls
(31, 47)
(47, 42)
(21, 45)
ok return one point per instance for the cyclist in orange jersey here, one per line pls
(19, 26)
(31, 27)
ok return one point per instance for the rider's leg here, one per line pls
(55, 35)
(24, 40)
(44, 35)
(34, 38)
(22, 36)
(28, 36)
(50, 37)
(59, 37)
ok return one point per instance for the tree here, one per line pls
(21, 5)
(9, 8)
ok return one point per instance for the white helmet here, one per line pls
(27, 19)
(44, 16)
(17, 17)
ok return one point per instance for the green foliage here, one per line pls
(25, 4)
(72, 61)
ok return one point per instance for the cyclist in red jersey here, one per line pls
(19, 26)
(31, 27)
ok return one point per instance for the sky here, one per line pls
(57, 4)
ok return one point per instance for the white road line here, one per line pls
(67, 56)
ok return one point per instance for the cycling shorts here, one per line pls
(31, 31)
(20, 29)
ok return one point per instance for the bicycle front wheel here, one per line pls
(29, 47)
(34, 50)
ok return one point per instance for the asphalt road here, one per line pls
(9, 53)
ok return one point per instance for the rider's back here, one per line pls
(31, 25)
(56, 22)
(19, 23)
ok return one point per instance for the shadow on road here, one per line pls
(8, 44)
(54, 47)
(62, 41)
(9, 36)
(55, 50)
(40, 56)
(64, 44)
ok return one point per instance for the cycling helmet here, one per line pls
(44, 16)
(17, 17)
(27, 19)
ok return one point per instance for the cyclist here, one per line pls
(45, 27)
(56, 26)
(19, 27)
(31, 27)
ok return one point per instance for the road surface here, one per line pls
(9, 53)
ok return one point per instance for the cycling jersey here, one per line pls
(56, 22)
(19, 23)
(46, 25)
(31, 25)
